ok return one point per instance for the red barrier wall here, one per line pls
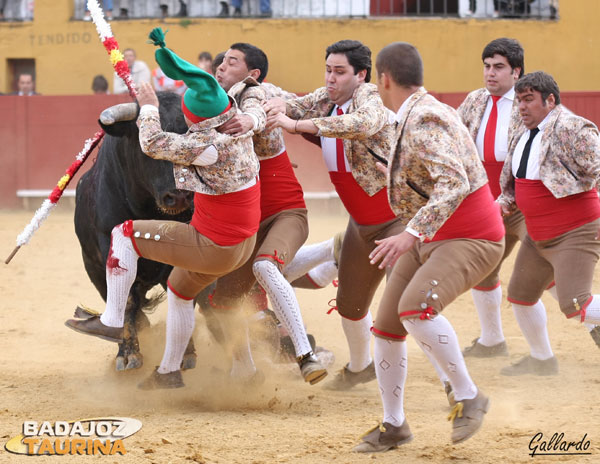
(41, 136)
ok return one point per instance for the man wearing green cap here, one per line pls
(221, 170)
(284, 224)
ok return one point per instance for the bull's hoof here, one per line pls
(134, 361)
(120, 363)
(189, 361)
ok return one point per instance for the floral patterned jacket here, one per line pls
(434, 165)
(365, 129)
(472, 109)
(236, 164)
(249, 95)
(569, 157)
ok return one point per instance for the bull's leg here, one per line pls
(189, 357)
(129, 356)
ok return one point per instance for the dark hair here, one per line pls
(357, 53)
(205, 56)
(217, 62)
(255, 58)
(508, 48)
(402, 63)
(99, 84)
(543, 82)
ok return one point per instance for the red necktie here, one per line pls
(489, 138)
(339, 150)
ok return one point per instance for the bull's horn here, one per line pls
(120, 112)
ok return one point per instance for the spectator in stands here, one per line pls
(205, 62)
(165, 5)
(25, 85)
(108, 8)
(217, 62)
(140, 72)
(161, 82)
(2, 6)
(100, 85)
(265, 9)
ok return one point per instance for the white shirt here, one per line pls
(504, 104)
(140, 72)
(329, 147)
(533, 164)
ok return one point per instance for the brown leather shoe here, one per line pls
(477, 350)
(311, 368)
(156, 381)
(530, 365)
(345, 379)
(467, 417)
(94, 326)
(384, 437)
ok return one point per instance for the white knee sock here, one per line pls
(391, 365)
(308, 257)
(488, 308)
(121, 269)
(285, 305)
(592, 312)
(532, 321)
(439, 371)
(235, 330)
(180, 326)
(438, 337)
(358, 335)
(324, 273)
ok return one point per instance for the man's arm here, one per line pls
(190, 148)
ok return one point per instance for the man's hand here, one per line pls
(274, 105)
(281, 120)
(146, 95)
(390, 249)
(505, 210)
(238, 125)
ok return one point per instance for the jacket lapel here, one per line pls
(547, 135)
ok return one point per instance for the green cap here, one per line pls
(204, 98)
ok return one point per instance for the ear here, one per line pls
(516, 72)
(361, 75)
(551, 101)
(254, 74)
(385, 80)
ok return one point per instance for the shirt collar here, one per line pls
(542, 125)
(402, 108)
(343, 106)
(510, 95)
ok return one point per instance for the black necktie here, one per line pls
(522, 171)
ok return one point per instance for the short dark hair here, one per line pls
(205, 56)
(357, 53)
(402, 62)
(219, 57)
(510, 49)
(543, 82)
(99, 84)
(255, 58)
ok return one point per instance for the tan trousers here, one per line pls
(431, 275)
(569, 259)
(197, 260)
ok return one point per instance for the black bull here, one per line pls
(125, 184)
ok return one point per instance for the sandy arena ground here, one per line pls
(49, 372)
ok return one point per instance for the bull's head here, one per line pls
(148, 179)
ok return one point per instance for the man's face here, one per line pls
(498, 76)
(205, 65)
(340, 80)
(532, 108)
(129, 56)
(232, 70)
(25, 83)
